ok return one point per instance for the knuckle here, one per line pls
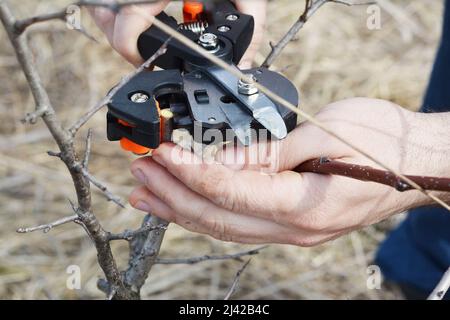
(218, 186)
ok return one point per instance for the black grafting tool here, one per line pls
(193, 94)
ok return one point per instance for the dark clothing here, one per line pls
(417, 253)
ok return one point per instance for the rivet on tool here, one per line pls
(209, 41)
(139, 97)
(232, 17)
(224, 29)
(246, 87)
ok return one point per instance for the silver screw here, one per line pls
(224, 28)
(209, 41)
(247, 87)
(139, 97)
(232, 17)
(212, 119)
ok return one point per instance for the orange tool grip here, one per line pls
(131, 146)
(192, 11)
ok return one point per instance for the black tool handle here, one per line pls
(234, 41)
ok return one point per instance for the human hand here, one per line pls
(124, 28)
(234, 201)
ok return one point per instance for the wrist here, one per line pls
(429, 150)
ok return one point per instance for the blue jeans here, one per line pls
(417, 253)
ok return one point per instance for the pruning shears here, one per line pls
(192, 93)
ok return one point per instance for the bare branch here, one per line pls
(195, 260)
(102, 187)
(87, 151)
(68, 155)
(442, 288)
(311, 7)
(47, 227)
(235, 283)
(97, 107)
(325, 165)
(21, 25)
(129, 235)
(144, 252)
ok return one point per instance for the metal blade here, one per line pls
(271, 120)
(240, 124)
(261, 107)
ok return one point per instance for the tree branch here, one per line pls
(195, 260)
(325, 165)
(47, 227)
(106, 100)
(68, 155)
(129, 235)
(102, 187)
(144, 251)
(311, 7)
(87, 151)
(21, 25)
(235, 283)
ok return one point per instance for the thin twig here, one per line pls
(195, 260)
(108, 98)
(235, 283)
(103, 188)
(47, 227)
(442, 288)
(21, 25)
(87, 151)
(129, 235)
(311, 7)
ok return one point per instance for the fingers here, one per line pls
(196, 213)
(144, 200)
(130, 22)
(248, 192)
(266, 156)
(124, 28)
(104, 19)
(258, 9)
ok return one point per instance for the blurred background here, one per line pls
(334, 57)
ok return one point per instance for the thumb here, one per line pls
(130, 22)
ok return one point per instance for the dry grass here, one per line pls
(335, 57)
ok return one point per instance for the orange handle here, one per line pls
(129, 145)
(192, 10)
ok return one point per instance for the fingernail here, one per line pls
(139, 175)
(143, 206)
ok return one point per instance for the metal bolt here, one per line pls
(232, 17)
(139, 97)
(247, 87)
(209, 41)
(224, 28)
(212, 119)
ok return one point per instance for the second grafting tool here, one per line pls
(193, 92)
